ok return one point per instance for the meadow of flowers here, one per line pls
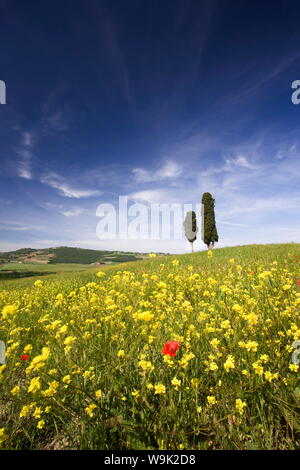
(178, 352)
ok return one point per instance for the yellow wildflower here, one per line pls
(175, 382)
(146, 366)
(66, 379)
(212, 400)
(90, 409)
(37, 412)
(159, 389)
(240, 405)
(3, 436)
(100, 274)
(15, 390)
(229, 363)
(35, 385)
(9, 310)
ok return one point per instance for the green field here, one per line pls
(38, 267)
(96, 376)
(32, 271)
(67, 255)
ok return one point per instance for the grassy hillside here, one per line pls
(83, 256)
(96, 377)
(11, 272)
(28, 262)
(65, 255)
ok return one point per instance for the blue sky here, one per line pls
(159, 101)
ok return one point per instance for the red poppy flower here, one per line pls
(24, 357)
(170, 348)
(298, 282)
(251, 273)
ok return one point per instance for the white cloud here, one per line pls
(240, 161)
(223, 222)
(24, 151)
(76, 211)
(287, 151)
(57, 182)
(27, 139)
(169, 170)
(56, 121)
(152, 196)
(14, 227)
(24, 170)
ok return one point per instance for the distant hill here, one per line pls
(65, 254)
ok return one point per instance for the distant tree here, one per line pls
(209, 229)
(190, 227)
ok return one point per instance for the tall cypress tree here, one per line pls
(190, 227)
(209, 229)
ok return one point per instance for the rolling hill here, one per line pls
(68, 255)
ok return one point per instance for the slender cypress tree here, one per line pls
(190, 227)
(209, 229)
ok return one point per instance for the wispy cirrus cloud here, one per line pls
(55, 120)
(52, 118)
(65, 188)
(14, 227)
(150, 196)
(25, 154)
(170, 169)
(74, 212)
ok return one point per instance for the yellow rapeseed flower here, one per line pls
(175, 382)
(229, 363)
(66, 379)
(240, 405)
(159, 389)
(212, 400)
(147, 366)
(35, 385)
(100, 274)
(37, 412)
(9, 310)
(90, 409)
(3, 435)
(15, 390)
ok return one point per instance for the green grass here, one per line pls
(80, 255)
(59, 272)
(71, 271)
(39, 267)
